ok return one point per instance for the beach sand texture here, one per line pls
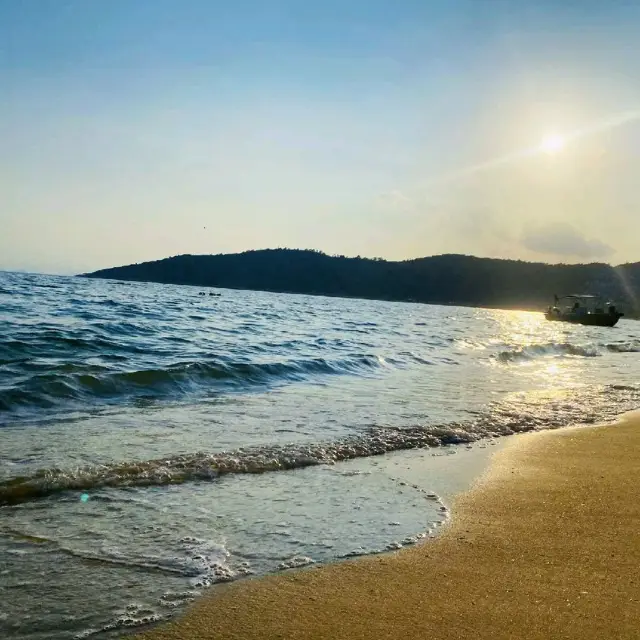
(547, 545)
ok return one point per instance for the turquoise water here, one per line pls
(156, 440)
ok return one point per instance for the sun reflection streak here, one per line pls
(521, 328)
(531, 346)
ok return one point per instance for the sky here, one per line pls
(133, 131)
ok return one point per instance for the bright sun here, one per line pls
(552, 144)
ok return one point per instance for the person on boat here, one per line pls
(578, 310)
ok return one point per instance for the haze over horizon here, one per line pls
(137, 131)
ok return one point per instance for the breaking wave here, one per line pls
(547, 349)
(505, 419)
(624, 347)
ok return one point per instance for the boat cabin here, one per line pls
(584, 309)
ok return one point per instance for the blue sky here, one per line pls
(136, 130)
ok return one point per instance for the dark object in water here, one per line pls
(583, 309)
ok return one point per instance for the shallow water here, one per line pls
(155, 441)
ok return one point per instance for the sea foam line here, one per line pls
(377, 440)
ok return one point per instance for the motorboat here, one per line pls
(583, 309)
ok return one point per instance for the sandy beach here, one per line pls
(546, 545)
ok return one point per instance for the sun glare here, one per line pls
(552, 144)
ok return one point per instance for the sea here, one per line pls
(157, 440)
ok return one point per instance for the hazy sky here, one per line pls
(134, 130)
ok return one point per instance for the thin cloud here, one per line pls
(563, 240)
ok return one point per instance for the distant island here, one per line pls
(444, 279)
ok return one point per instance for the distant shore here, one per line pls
(447, 279)
(547, 545)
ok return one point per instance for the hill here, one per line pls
(443, 279)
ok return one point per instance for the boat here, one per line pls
(583, 309)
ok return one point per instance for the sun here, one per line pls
(552, 144)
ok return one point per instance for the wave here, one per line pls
(558, 349)
(77, 382)
(53, 343)
(624, 347)
(547, 349)
(209, 466)
(503, 420)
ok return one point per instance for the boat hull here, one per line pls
(589, 319)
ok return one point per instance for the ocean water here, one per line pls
(156, 440)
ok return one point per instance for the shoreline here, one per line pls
(545, 545)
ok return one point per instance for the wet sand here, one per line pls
(547, 545)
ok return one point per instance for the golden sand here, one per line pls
(547, 545)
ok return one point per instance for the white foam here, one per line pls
(295, 563)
